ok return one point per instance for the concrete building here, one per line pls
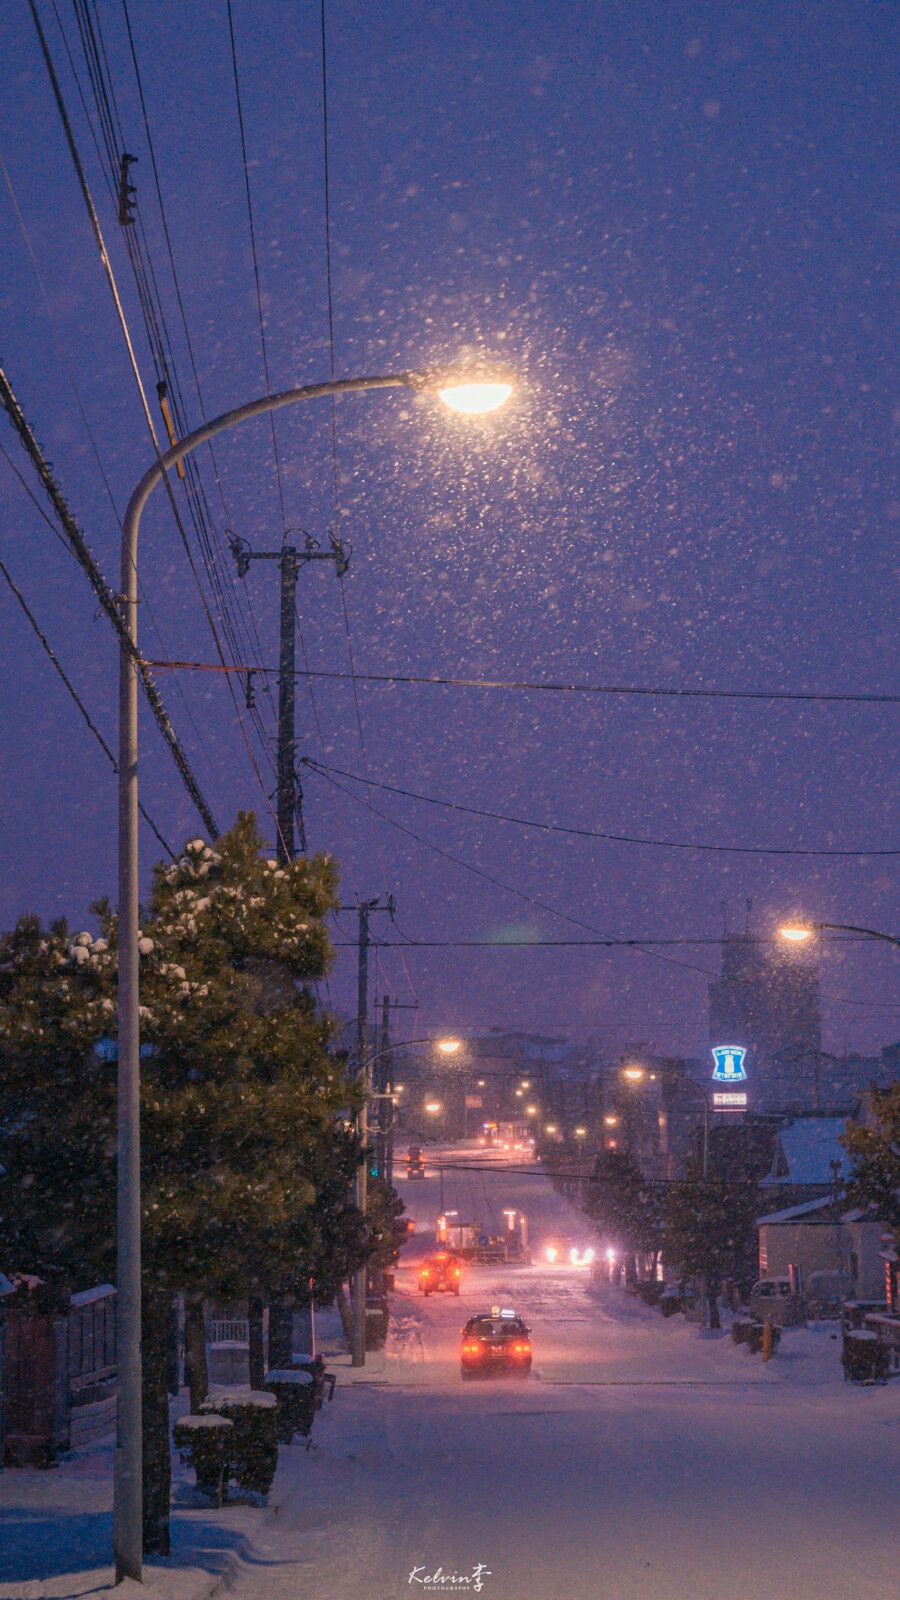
(767, 1001)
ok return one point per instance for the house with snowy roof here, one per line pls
(839, 1251)
(808, 1155)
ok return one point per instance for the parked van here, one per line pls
(772, 1300)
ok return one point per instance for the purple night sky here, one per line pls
(680, 226)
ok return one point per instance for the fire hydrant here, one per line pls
(768, 1344)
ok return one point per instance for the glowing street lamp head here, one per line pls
(448, 1047)
(476, 399)
(433, 1106)
(611, 1122)
(580, 1133)
(795, 932)
(634, 1074)
(473, 389)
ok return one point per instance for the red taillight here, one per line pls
(471, 1349)
(456, 1272)
(425, 1273)
(523, 1349)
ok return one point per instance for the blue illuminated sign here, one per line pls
(729, 1060)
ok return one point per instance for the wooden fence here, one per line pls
(58, 1374)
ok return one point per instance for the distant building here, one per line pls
(767, 1002)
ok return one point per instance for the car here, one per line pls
(562, 1252)
(495, 1341)
(773, 1300)
(440, 1274)
(415, 1166)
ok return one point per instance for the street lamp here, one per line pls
(635, 1075)
(477, 389)
(799, 932)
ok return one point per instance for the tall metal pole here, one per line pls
(286, 803)
(128, 1507)
(128, 1488)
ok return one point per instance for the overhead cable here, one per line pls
(108, 600)
(813, 696)
(78, 701)
(593, 833)
(478, 872)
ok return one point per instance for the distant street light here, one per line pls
(799, 932)
(580, 1133)
(550, 1128)
(432, 1105)
(611, 1122)
(448, 1047)
(476, 388)
(634, 1074)
(531, 1111)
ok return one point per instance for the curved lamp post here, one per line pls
(799, 932)
(473, 390)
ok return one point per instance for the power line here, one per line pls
(498, 883)
(83, 415)
(526, 944)
(158, 338)
(592, 833)
(78, 701)
(238, 596)
(334, 458)
(259, 309)
(572, 688)
(108, 600)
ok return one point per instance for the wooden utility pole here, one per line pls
(358, 1353)
(289, 801)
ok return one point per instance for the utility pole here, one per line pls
(358, 1353)
(837, 1183)
(381, 1079)
(289, 802)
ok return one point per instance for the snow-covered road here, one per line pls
(644, 1460)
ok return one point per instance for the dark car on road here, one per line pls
(495, 1341)
(440, 1274)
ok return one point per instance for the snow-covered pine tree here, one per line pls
(875, 1153)
(248, 1149)
(623, 1207)
(708, 1229)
